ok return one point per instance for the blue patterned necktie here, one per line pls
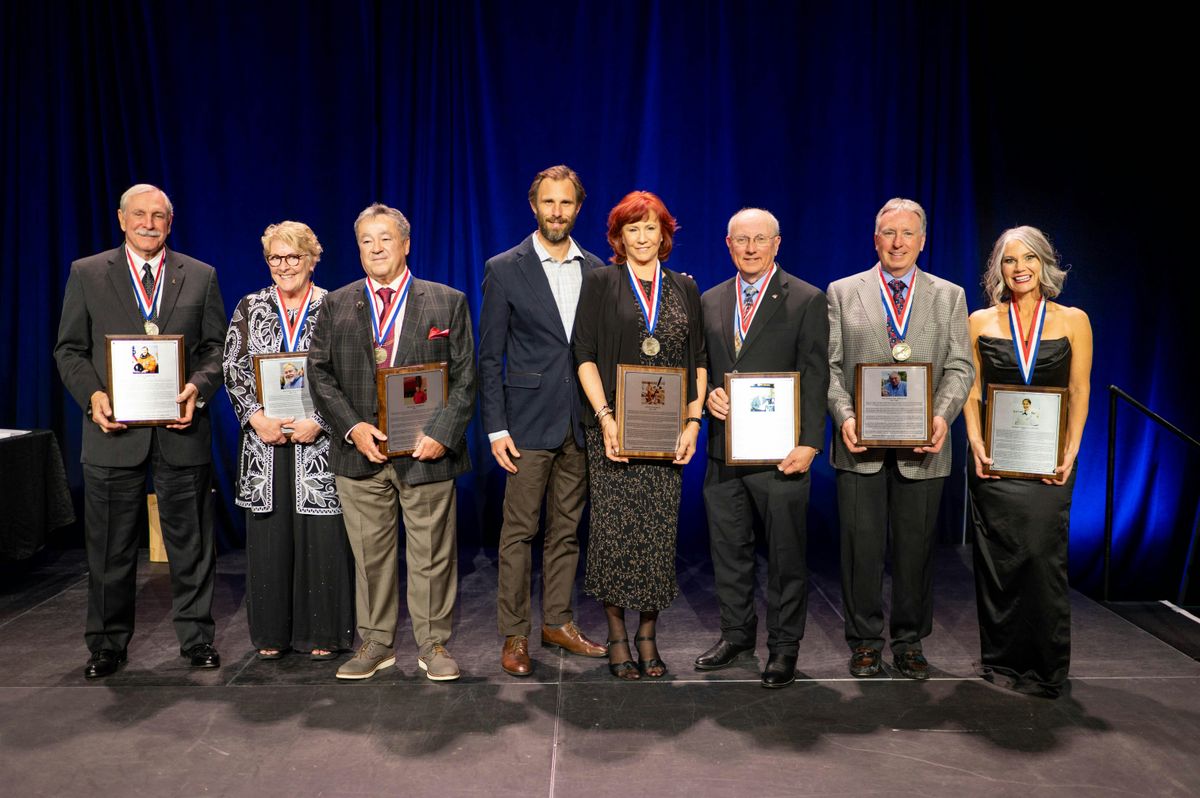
(898, 290)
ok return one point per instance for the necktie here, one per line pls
(385, 296)
(749, 292)
(898, 289)
(148, 284)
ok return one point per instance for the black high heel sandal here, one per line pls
(644, 666)
(625, 671)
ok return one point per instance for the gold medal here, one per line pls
(650, 346)
(901, 352)
(151, 328)
(380, 354)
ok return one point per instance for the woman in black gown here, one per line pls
(1021, 525)
(635, 505)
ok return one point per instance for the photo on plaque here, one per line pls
(651, 406)
(145, 374)
(409, 398)
(893, 404)
(763, 424)
(1026, 430)
(281, 385)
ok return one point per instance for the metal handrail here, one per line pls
(1113, 393)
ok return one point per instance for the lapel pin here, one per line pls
(774, 296)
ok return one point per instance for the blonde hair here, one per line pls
(1052, 278)
(297, 235)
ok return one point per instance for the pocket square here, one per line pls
(434, 332)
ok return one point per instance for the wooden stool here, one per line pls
(158, 552)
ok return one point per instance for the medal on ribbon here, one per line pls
(147, 302)
(381, 328)
(1027, 347)
(649, 307)
(898, 320)
(291, 331)
(743, 317)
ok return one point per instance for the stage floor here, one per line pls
(1130, 726)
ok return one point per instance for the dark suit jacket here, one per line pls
(341, 372)
(606, 327)
(790, 332)
(99, 301)
(527, 379)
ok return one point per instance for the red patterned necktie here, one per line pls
(385, 296)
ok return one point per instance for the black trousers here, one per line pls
(299, 572)
(732, 495)
(869, 506)
(113, 502)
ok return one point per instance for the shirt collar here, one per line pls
(394, 284)
(573, 253)
(138, 261)
(907, 279)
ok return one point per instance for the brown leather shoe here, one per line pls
(569, 637)
(514, 659)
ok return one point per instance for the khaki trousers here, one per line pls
(560, 475)
(370, 507)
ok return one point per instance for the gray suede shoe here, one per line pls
(370, 658)
(438, 664)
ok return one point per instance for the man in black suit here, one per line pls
(531, 412)
(418, 322)
(762, 319)
(139, 288)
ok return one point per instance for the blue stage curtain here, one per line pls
(249, 113)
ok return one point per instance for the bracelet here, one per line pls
(699, 423)
(602, 412)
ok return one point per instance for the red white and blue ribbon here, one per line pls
(648, 304)
(292, 332)
(743, 317)
(897, 319)
(1027, 346)
(146, 302)
(382, 327)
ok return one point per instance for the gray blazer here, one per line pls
(99, 301)
(341, 370)
(937, 333)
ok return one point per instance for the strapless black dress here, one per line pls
(1021, 529)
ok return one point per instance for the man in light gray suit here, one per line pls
(893, 489)
(393, 319)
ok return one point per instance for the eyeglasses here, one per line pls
(759, 240)
(275, 261)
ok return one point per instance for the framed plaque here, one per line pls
(281, 385)
(145, 374)
(893, 403)
(409, 398)
(651, 406)
(1026, 430)
(763, 424)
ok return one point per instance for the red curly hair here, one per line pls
(637, 206)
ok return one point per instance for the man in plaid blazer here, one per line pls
(896, 489)
(432, 324)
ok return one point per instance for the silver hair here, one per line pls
(901, 204)
(379, 209)
(1053, 276)
(144, 188)
(764, 211)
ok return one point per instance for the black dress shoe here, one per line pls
(202, 655)
(719, 656)
(865, 662)
(912, 664)
(780, 671)
(103, 663)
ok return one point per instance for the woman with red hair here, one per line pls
(639, 313)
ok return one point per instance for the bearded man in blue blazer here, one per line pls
(531, 413)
